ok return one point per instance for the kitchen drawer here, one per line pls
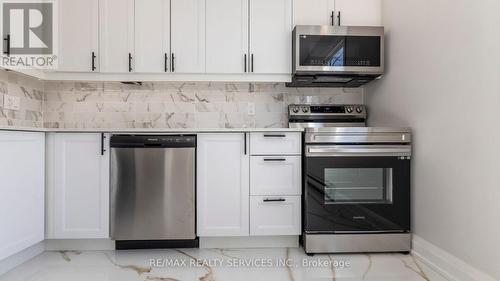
(275, 215)
(275, 175)
(275, 143)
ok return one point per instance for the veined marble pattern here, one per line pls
(287, 264)
(30, 92)
(179, 105)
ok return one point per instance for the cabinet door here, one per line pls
(78, 35)
(80, 186)
(313, 12)
(270, 36)
(187, 36)
(152, 35)
(222, 185)
(22, 166)
(359, 12)
(276, 215)
(116, 23)
(227, 36)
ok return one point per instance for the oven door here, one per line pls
(353, 189)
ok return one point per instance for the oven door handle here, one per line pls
(358, 150)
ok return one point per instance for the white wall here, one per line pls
(443, 80)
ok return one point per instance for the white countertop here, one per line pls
(149, 130)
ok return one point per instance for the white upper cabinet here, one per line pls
(313, 12)
(326, 12)
(222, 185)
(188, 36)
(79, 35)
(270, 36)
(359, 12)
(116, 40)
(22, 164)
(227, 36)
(78, 186)
(152, 36)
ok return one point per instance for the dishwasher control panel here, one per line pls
(153, 141)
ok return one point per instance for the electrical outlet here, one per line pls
(251, 108)
(11, 102)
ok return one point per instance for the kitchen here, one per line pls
(149, 142)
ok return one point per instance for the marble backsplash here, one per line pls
(30, 92)
(179, 105)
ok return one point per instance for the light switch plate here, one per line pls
(11, 102)
(251, 108)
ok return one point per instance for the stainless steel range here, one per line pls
(356, 181)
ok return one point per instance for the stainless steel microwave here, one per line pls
(337, 56)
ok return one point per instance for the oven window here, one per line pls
(358, 185)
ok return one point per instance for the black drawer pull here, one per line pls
(93, 61)
(274, 200)
(7, 48)
(274, 159)
(172, 63)
(245, 62)
(129, 62)
(275, 136)
(103, 136)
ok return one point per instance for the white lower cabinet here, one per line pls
(242, 195)
(222, 185)
(21, 191)
(275, 175)
(275, 215)
(77, 186)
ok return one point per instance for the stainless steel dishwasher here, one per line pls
(153, 191)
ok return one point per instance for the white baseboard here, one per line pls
(79, 244)
(448, 265)
(249, 242)
(13, 261)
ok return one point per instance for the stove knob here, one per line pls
(359, 109)
(305, 109)
(295, 109)
(349, 110)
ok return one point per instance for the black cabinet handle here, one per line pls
(129, 62)
(338, 19)
(102, 143)
(332, 18)
(274, 200)
(245, 62)
(172, 61)
(275, 136)
(93, 61)
(7, 49)
(245, 143)
(274, 159)
(166, 62)
(251, 63)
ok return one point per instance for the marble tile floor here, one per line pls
(290, 264)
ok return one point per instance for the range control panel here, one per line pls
(326, 110)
